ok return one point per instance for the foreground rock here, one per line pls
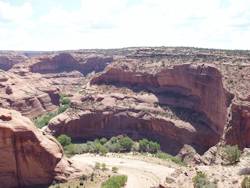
(29, 157)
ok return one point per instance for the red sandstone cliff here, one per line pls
(29, 157)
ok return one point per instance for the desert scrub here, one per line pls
(97, 166)
(64, 140)
(44, 119)
(114, 169)
(148, 146)
(115, 182)
(245, 182)
(231, 154)
(201, 181)
(166, 156)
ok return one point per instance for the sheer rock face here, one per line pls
(136, 123)
(238, 130)
(31, 96)
(196, 87)
(29, 157)
(68, 62)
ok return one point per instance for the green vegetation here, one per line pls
(97, 166)
(115, 182)
(201, 181)
(43, 120)
(231, 154)
(148, 146)
(104, 167)
(64, 140)
(166, 156)
(245, 182)
(117, 144)
(114, 169)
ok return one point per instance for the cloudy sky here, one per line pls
(78, 24)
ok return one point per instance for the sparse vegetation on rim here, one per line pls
(44, 119)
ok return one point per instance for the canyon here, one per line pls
(176, 96)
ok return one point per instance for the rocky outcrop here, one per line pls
(29, 157)
(66, 62)
(196, 87)
(238, 130)
(7, 61)
(31, 97)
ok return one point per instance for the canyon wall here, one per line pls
(197, 87)
(183, 104)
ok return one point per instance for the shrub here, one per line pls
(148, 146)
(103, 141)
(44, 119)
(70, 149)
(103, 150)
(153, 147)
(126, 143)
(245, 182)
(114, 169)
(201, 181)
(64, 140)
(115, 182)
(166, 156)
(113, 147)
(143, 145)
(104, 167)
(97, 166)
(62, 108)
(231, 154)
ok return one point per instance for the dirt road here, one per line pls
(140, 174)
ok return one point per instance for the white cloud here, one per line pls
(112, 23)
(15, 13)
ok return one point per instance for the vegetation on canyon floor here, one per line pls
(118, 144)
(245, 182)
(231, 154)
(44, 119)
(201, 181)
(115, 182)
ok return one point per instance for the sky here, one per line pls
(81, 24)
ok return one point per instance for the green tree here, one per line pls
(126, 143)
(64, 140)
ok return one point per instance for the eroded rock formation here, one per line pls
(66, 62)
(29, 157)
(196, 87)
(32, 97)
(8, 60)
(178, 107)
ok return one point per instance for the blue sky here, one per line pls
(78, 24)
